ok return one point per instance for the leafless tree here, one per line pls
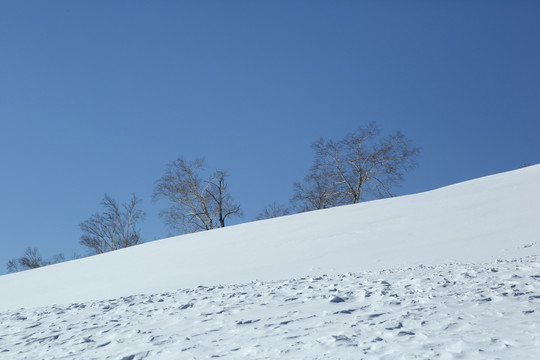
(31, 260)
(359, 167)
(196, 203)
(319, 190)
(273, 210)
(115, 228)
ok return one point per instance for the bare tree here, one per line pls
(319, 190)
(219, 192)
(359, 167)
(196, 203)
(31, 260)
(115, 228)
(14, 266)
(273, 210)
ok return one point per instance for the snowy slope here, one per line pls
(496, 217)
(447, 274)
(454, 311)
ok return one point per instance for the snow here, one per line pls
(444, 274)
(483, 311)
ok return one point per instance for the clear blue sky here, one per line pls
(98, 96)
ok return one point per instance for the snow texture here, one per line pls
(450, 273)
(485, 311)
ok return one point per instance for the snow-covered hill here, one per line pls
(493, 217)
(446, 273)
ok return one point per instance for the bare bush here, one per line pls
(31, 260)
(273, 210)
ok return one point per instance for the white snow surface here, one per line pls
(449, 273)
(483, 311)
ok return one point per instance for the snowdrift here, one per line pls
(495, 217)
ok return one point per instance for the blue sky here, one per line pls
(98, 96)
